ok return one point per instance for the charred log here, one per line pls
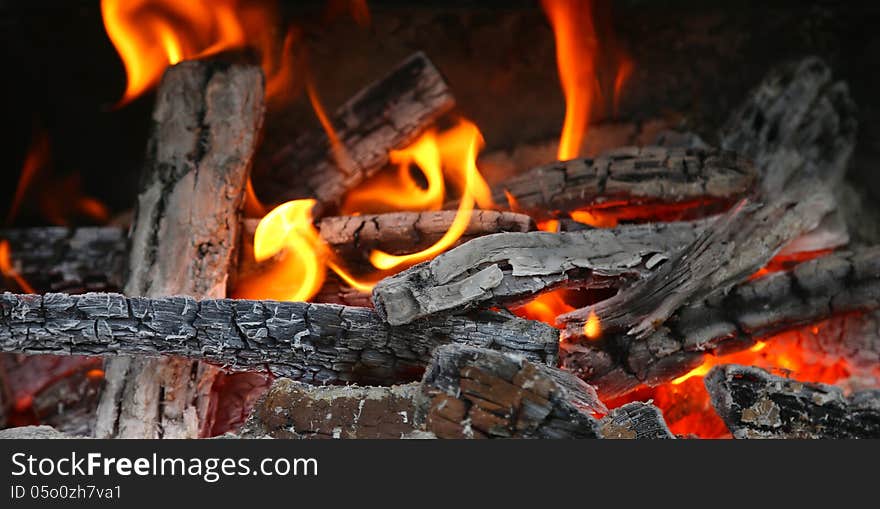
(206, 122)
(636, 420)
(472, 392)
(385, 115)
(69, 260)
(706, 181)
(755, 404)
(296, 410)
(315, 343)
(798, 123)
(509, 268)
(833, 285)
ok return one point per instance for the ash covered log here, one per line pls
(472, 392)
(385, 115)
(636, 420)
(755, 404)
(70, 260)
(315, 343)
(834, 285)
(731, 249)
(708, 181)
(296, 410)
(797, 123)
(207, 119)
(509, 268)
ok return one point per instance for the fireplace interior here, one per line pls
(351, 219)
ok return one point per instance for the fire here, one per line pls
(288, 232)
(9, 271)
(150, 35)
(592, 328)
(546, 307)
(782, 262)
(580, 68)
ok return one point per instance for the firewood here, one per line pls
(798, 123)
(472, 392)
(206, 124)
(508, 268)
(69, 260)
(833, 285)
(385, 115)
(33, 433)
(315, 343)
(709, 180)
(755, 404)
(296, 410)
(636, 420)
(734, 247)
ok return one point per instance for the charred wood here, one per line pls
(706, 180)
(472, 392)
(831, 286)
(755, 404)
(207, 119)
(636, 420)
(315, 343)
(385, 115)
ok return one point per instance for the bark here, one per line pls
(185, 232)
(832, 286)
(798, 123)
(755, 404)
(706, 181)
(636, 420)
(314, 343)
(737, 245)
(69, 260)
(385, 115)
(510, 268)
(472, 392)
(296, 410)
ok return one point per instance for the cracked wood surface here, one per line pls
(385, 115)
(707, 180)
(755, 404)
(315, 343)
(206, 121)
(831, 286)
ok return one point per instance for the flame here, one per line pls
(545, 307)
(592, 328)
(340, 154)
(9, 271)
(150, 35)
(782, 262)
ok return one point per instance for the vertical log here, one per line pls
(183, 238)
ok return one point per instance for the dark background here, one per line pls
(693, 62)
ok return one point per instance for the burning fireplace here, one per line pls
(351, 219)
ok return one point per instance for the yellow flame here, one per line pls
(700, 370)
(592, 328)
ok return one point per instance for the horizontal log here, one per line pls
(706, 180)
(509, 268)
(755, 404)
(297, 410)
(636, 420)
(69, 260)
(833, 285)
(797, 123)
(385, 115)
(734, 247)
(315, 343)
(472, 392)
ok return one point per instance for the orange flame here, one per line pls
(592, 328)
(150, 35)
(9, 271)
(545, 307)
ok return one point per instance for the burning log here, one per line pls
(70, 260)
(636, 420)
(386, 115)
(477, 393)
(756, 404)
(508, 268)
(296, 410)
(797, 122)
(736, 246)
(833, 285)
(315, 343)
(706, 180)
(206, 121)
